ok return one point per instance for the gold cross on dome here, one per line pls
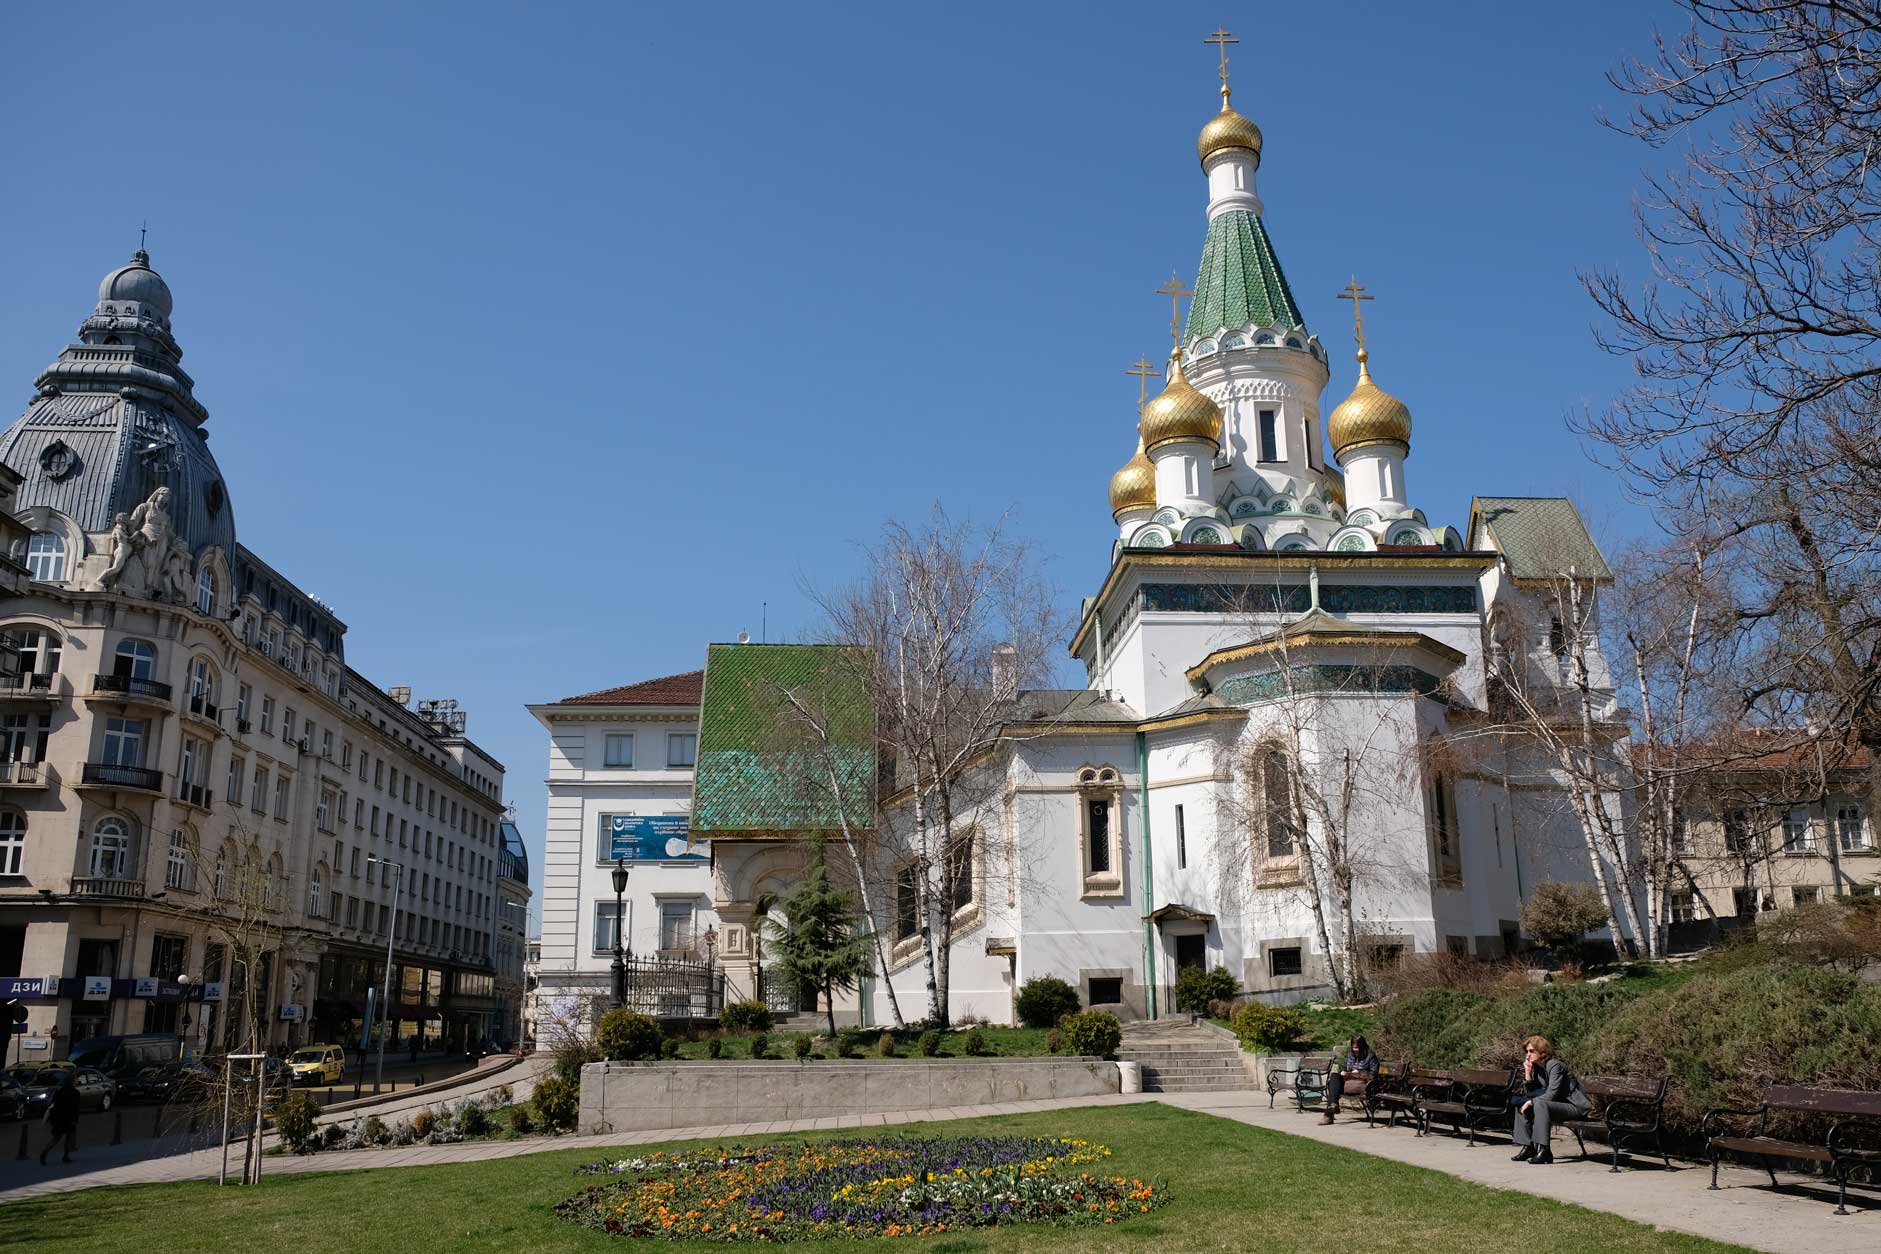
(1221, 39)
(1355, 293)
(1144, 372)
(1174, 290)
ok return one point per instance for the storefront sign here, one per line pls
(290, 1012)
(144, 986)
(653, 838)
(35, 1042)
(29, 986)
(212, 991)
(97, 987)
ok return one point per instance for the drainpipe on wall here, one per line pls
(1149, 878)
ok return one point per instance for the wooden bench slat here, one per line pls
(1823, 1101)
(1771, 1147)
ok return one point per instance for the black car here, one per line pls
(12, 1098)
(175, 1081)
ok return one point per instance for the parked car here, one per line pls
(31, 1073)
(96, 1090)
(12, 1098)
(314, 1064)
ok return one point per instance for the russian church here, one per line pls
(1261, 772)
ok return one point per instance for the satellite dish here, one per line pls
(744, 637)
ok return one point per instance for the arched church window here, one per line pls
(1205, 535)
(1293, 341)
(1351, 544)
(1100, 793)
(45, 556)
(1278, 811)
(1444, 836)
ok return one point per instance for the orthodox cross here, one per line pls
(1174, 290)
(142, 231)
(1355, 293)
(1144, 372)
(1221, 39)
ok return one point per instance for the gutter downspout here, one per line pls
(1149, 877)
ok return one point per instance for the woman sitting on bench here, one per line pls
(1349, 1076)
(1549, 1092)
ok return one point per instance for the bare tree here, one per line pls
(958, 621)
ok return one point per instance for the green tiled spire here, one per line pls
(1240, 280)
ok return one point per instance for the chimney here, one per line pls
(1005, 669)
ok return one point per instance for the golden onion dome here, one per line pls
(1228, 129)
(1133, 487)
(1335, 486)
(1179, 412)
(1370, 415)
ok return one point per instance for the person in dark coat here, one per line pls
(1549, 1092)
(1350, 1075)
(62, 1118)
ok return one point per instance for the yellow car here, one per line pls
(312, 1064)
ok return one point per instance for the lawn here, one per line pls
(1233, 1186)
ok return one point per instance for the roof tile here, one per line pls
(667, 690)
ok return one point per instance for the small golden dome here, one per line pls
(1179, 412)
(1228, 129)
(1133, 487)
(1370, 415)
(1335, 486)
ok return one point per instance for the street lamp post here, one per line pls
(182, 1037)
(385, 996)
(620, 929)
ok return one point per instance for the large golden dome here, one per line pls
(1133, 487)
(1179, 412)
(1370, 415)
(1228, 129)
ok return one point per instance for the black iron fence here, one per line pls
(674, 988)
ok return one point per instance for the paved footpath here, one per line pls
(1742, 1213)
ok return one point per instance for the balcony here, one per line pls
(203, 710)
(29, 688)
(196, 795)
(24, 775)
(95, 886)
(111, 775)
(130, 690)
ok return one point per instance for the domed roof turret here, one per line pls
(137, 282)
(1228, 129)
(1179, 412)
(1134, 486)
(1370, 415)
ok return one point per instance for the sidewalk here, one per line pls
(1746, 1211)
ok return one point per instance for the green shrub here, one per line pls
(1559, 915)
(885, 1045)
(745, 1016)
(1197, 986)
(375, 1131)
(1055, 1041)
(297, 1119)
(557, 1101)
(760, 1044)
(626, 1036)
(845, 1047)
(521, 1122)
(572, 1053)
(800, 1045)
(975, 1043)
(473, 1120)
(422, 1124)
(1095, 1032)
(669, 1047)
(502, 1095)
(1268, 1028)
(929, 1044)
(714, 1047)
(1043, 1000)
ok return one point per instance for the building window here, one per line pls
(907, 903)
(39, 652)
(1182, 842)
(1097, 834)
(1805, 895)
(1277, 805)
(1849, 828)
(619, 750)
(1099, 798)
(288, 720)
(1285, 961)
(281, 783)
(323, 812)
(124, 742)
(1743, 901)
(206, 589)
(258, 795)
(1269, 436)
(1443, 829)
(1680, 908)
(110, 849)
(45, 557)
(267, 716)
(136, 659)
(682, 748)
(1557, 637)
(1736, 831)
(12, 842)
(244, 699)
(675, 925)
(1106, 990)
(960, 873)
(606, 926)
(1796, 831)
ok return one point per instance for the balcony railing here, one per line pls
(203, 707)
(27, 684)
(22, 773)
(131, 685)
(196, 795)
(95, 886)
(114, 776)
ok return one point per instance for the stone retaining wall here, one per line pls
(634, 1096)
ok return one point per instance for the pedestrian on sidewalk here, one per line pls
(1350, 1076)
(1549, 1092)
(62, 1118)
(414, 1049)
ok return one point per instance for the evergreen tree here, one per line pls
(818, 943)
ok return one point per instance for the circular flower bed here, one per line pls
(874, 1187)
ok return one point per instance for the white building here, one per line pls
(620, 789)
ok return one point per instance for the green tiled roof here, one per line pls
(761, 768)
(1240, 280)
(1541, 537)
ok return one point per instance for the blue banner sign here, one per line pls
(653, 838)
(29, 986)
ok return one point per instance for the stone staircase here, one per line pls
(1179, 1057)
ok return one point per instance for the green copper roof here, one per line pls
(1240, 282)
(763, 766)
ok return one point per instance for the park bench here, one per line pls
(1625, 1108)
(1286, 1079)
(1852, 1142)
(1311, 1087)
(1470, 1098)
(1396, 1090)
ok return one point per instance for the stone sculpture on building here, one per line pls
(147, 557)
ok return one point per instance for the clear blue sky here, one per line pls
(546, 343)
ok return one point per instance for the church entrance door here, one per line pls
(1191, 951)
